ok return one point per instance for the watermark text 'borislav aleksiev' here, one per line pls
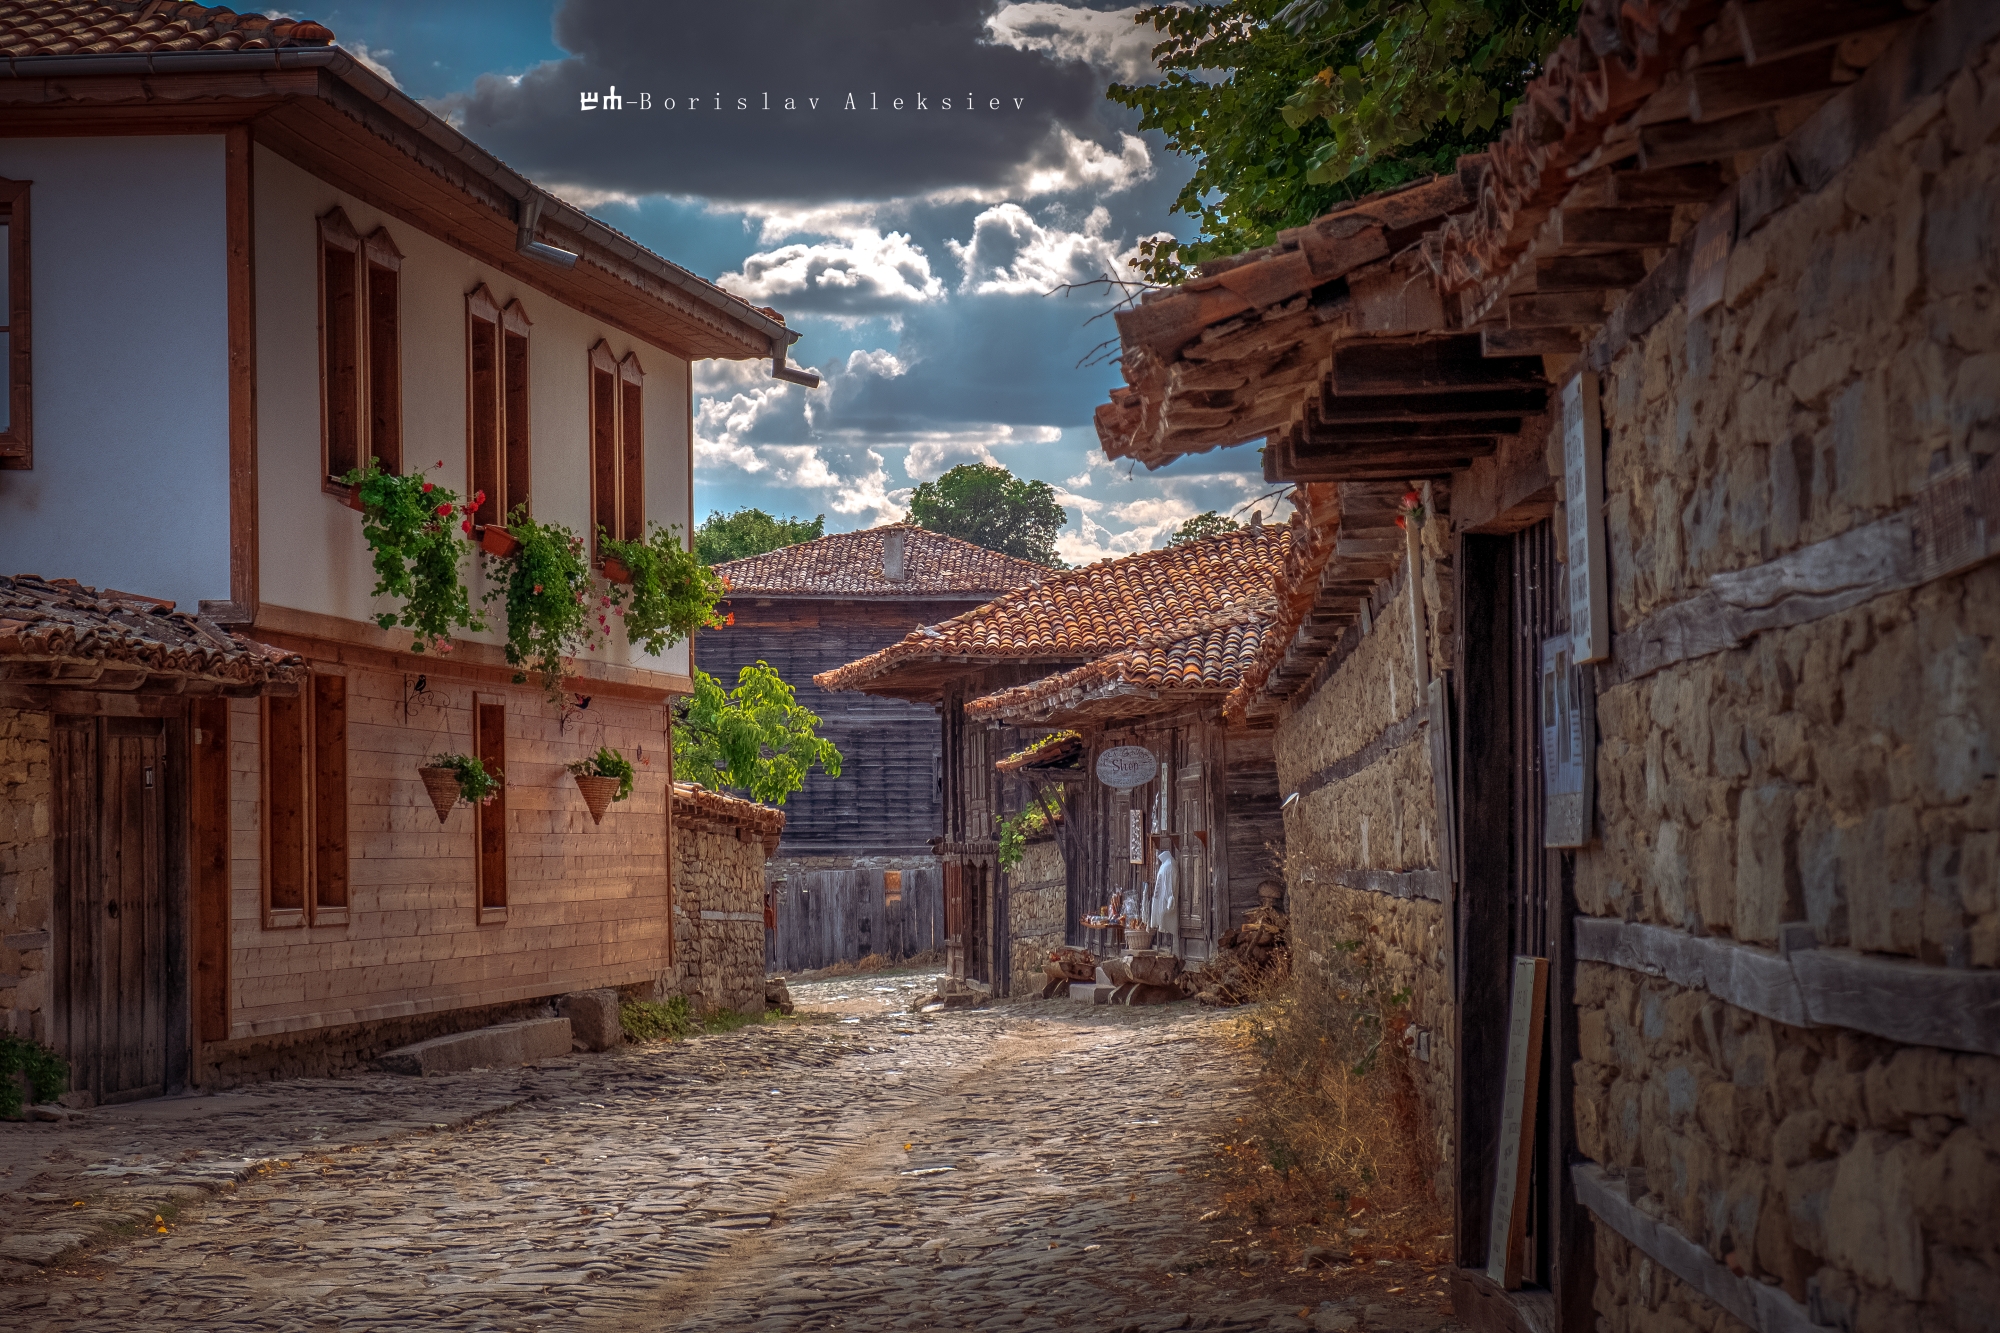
(616, 101)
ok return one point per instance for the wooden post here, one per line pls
(1420, 648)
(1507, 1236)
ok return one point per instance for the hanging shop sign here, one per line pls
(1127, 766)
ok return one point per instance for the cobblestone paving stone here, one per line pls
(1012, 1168)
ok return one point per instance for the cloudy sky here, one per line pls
(917, 248)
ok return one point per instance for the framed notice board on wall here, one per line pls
(1568, 746)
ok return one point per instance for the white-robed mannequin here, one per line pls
(1161, 914)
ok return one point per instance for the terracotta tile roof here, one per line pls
(109, 27)
(1153, 598)
(850, 564)
(1150, 678)
(715, 812)
(57, 632)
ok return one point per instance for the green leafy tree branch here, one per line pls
(756, 738)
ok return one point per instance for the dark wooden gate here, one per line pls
(1514, 900)
(119, 1004)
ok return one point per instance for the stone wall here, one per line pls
(718, 921)
(1037, 903)
(1843, 772)
(1360, 850)
(27, 872)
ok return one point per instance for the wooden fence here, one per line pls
(835, 916)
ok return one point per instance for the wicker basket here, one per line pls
(442, 784)
(597, 794)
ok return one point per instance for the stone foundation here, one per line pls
(27, 872)
(718, 922)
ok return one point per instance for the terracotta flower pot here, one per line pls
(353, 500)
(597, 794)
(496, 540)
(615, 570)
(442, 784)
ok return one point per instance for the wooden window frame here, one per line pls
(499, 408)
(303, 747)
(17, 441)
(371, 392)
(489, 822)
(617, 446)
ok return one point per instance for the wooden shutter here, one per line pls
(329, 789)
(631, 449)
(340, 344)
(516, 467)
(604, 511)
(285, 811)
(482, 341)
(491, 743)
(383, 264)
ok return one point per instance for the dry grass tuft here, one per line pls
(1336, 1148)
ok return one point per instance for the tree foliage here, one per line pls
(1210, 524)
(985, 504)
(1291, 107)
(756, 738)
(724, 537)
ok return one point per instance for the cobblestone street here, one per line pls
(1013, 1168)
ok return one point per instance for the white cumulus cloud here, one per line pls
(864, 271)
(1106, 39)
(1012, 253)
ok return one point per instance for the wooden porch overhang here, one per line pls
(1372, 347)
(324, 110)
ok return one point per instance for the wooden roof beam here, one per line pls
(1339, 408)
(1436, 365)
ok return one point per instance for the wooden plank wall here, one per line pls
(835, 916)
(889, 795)
(587, 904)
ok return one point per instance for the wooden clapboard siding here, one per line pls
(210, 862)
(587, 905)
(887, 798)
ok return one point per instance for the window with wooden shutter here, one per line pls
(490, 740)
(16, 437)
(305, 805)
(361, 348)
(617, 445)
(498, 419)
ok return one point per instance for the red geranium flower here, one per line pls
(729, 619)
(443, 510)
(466, 526)
(427, 487)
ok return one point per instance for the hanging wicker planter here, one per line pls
(597, 794)
(442, 784)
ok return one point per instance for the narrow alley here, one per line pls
(879, 1170)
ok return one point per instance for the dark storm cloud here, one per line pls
(747, 51)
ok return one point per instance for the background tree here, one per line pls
(756, 738)
(1290, 107)
(723, 537)
(1210, 524)
(985, 504)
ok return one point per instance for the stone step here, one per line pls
(498, 1047)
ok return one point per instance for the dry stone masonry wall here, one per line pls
(1843, 772)
(718, 922)
(1037, 904)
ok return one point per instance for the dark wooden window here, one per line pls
(498, 419)
(361, 348)
(491, 743)
(305, 793)
(329, 791)
(16, 437)
(617, 445)
(285, 811)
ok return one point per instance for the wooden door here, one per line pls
(112, 931)
(1191, 894)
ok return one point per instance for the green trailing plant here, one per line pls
(607, 763)
(756, 738)
(417, 535)
(476, 783)
(545, 589)
(47, 1072)
(1017, 829)
(672, 593)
